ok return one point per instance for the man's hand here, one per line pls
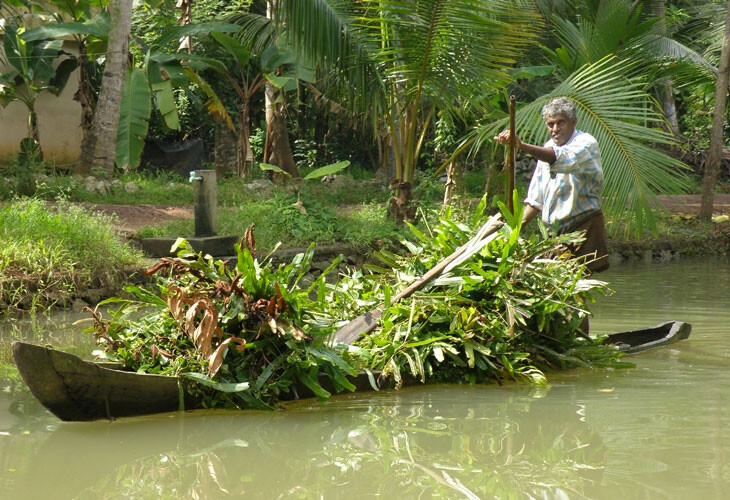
(503, 138)
(545, 154)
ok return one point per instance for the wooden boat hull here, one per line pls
(78, 390)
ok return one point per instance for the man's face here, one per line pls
(561, 129)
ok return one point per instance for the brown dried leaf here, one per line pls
(175, 303)
(206, 329)
(215, 360)
(249, 241)
(271, 307)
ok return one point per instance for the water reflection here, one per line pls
(452, 442)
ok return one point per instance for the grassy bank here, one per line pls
(49, 255)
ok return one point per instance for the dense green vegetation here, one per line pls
(352, 80)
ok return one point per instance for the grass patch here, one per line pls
(49, 254)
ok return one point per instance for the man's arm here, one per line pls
(543, 154)
(529, 214)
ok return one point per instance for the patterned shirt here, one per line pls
(570, 188)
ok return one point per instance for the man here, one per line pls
(566, 186)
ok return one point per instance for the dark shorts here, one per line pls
(593, 249)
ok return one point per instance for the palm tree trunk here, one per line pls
(186, 17)
(100, 148)
(666, 90)
(278, 151)
(85, 96)
(225, 150)
(718, 121)
(244, 155)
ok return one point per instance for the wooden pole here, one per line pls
(511, 156)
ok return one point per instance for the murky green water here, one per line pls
(661, 430)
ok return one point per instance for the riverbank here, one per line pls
(680, 234)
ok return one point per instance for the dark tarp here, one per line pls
(179, 157)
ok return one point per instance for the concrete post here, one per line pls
(205, 196)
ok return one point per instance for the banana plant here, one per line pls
(89, 28)
(247, 69)
(31, 73)
(150, 86)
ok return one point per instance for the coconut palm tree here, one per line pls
(398, 63)
(718, 121)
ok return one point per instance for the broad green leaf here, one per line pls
(98, 26)
(272, 58)
(192, 60)
(309, 381)
(237, 50)
(530, 72)
(277, 81)
(218, 386)
(165, 100)
(273, 168)
(15, 49)
(194, 29)
(134, 119)
(74, 8)
(40, 65)
(328, 169)
(63, 71)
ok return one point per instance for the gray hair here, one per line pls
(560, 106)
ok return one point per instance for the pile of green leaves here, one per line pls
(511, 312)
(247, 334)
(251, 333)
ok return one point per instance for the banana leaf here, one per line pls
(134, 119)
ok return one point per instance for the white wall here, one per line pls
(59, 121)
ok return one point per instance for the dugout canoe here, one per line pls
(78, 390)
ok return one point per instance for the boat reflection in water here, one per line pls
(442, 442)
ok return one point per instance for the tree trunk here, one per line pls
(666, 90)
(400, 206)
(100, 148)
(31, 150)
(277, 150)
(225, 149)
(244, 154)
(85, 97)
(448, 187)
(186, 17)
(718, 121)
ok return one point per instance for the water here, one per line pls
(661, 430)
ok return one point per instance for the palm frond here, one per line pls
(257, 32)
(626, 122)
